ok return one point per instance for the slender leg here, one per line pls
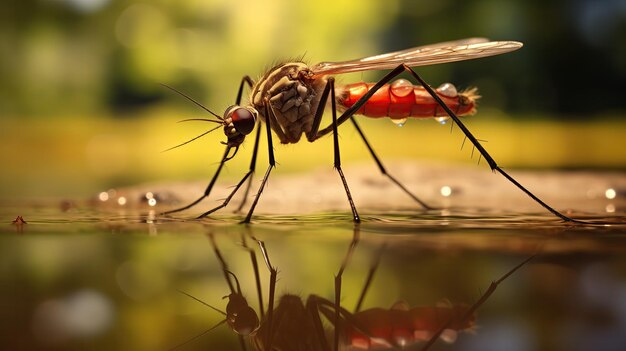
(472, 310)
(244, 80)
(207, 191)
(382, 168)
(338, 277)
(492, 163)
(209, 187)
(255, 267)
(272, 162)
(252, 168)
(312, 136)
(270, 306)
(370, 277)
(316, 305)
(337, 163)
(243, 180)
(250, 83)
(225, 270)
(223, 264)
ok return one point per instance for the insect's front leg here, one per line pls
(272, 161)
(250, 82)
(247, 176)
(270, 306)
(244, 80)
(227, 277)
(209, 187)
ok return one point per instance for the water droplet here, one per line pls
(103, 196)
(610, 193)
(446, 191)
(447, 89)
(401, 87)
(442, 120)
(399, 122)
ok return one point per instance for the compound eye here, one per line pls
(244, 120)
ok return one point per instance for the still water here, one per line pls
(82, 276)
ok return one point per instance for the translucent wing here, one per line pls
(450, 51)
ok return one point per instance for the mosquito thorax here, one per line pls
(240, 316)
(239, 122)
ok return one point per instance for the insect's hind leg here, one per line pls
(492, 163)
(382, 168)
(471, 311)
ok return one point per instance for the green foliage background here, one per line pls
(80, 99)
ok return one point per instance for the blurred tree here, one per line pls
(105, 56)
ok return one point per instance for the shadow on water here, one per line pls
(83, 278)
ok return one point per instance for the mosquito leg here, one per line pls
(317, 305)
(251, 169)
(382, 167)
(224, 265)
(337, 162)
(492, 163)
(312, 134)
(208, 189)
(472, 309)
(270, 305)
(255, 267)
(370, 277)
(250, 82)
(244, 80)
(338, 277)
(247, 176)
(272, 162)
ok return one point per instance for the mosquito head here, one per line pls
(239, 122)
(240, 316)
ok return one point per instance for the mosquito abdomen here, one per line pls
(401, 99)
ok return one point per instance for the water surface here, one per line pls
(80, 275)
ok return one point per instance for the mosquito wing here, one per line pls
(450, 51)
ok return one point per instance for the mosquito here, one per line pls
(290, 99)
(295, 324)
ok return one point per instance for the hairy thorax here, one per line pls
(293, 95)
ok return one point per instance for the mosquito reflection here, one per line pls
(317, 323)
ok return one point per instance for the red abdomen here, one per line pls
(401, 99)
